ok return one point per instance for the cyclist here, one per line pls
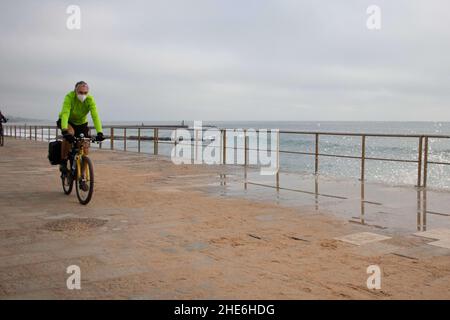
(73, 119)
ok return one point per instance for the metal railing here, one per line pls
(422, 158)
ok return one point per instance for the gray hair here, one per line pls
(80, 84)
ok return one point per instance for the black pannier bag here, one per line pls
(54, 152)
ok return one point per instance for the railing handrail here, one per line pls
(357, 134)
(322, 133)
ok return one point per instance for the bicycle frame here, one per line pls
(77, 153)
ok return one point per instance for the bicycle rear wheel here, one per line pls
(85, 181)
(67, 183)
(67, 180)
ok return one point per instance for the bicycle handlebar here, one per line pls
(91, 139)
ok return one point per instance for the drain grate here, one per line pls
(74, 224)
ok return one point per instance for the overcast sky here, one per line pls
(229, 59)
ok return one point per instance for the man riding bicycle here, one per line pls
(73, 119)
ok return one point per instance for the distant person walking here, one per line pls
(73, 119)
(2, 119)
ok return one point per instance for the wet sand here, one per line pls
(154, 231)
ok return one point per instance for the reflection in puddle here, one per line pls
(370, 204)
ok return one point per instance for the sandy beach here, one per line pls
(152, 232)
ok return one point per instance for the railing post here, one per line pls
(419, 203)
(42, 133)
(425, 163)
(245, 148)
(15, 132)
(124, 139)
(176, 137)
(245, 158)
(316, 163)
(139, 139)
(31, 134)
(235, 146)
(316, 192)
(363, 204)
(363, 157)
(224, 146)
(195, 145)
(112, 138)
(424, 210)
(35, 133)
(278, 160)
(56, 133)
(419, 163)
(48, 133)
(155, 141)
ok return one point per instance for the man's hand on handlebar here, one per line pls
(99, 137)
(68, 137)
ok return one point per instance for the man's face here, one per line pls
(84, 90)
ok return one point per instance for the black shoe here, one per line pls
(84, 186)
(63, 167)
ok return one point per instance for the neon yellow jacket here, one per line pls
(75, 111)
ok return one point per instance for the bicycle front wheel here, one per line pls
(85, 180)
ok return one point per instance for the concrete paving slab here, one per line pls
(439, 233)
(362, 238)
(441, 244)
(376, 249)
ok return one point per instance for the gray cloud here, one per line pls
(229, 60)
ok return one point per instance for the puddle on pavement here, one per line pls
(396, 208)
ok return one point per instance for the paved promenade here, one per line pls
(152, 232)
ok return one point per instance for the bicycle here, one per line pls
(81, 171)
